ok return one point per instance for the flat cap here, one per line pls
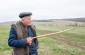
(23, 14)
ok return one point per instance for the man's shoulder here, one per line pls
(13, 24)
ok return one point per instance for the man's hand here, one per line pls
(29, 40)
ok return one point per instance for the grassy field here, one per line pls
(67, 43)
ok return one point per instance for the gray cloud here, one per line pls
(42, 9)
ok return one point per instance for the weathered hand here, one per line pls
(29, 40)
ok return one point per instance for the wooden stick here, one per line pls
(53, 33)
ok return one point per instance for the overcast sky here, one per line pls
(42, 9)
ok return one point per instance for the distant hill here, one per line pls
(75, 19)
(68, 21)
(42, 20)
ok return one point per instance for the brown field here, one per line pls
(60, 22)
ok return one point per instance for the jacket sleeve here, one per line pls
(13, 41)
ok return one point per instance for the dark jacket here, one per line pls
(21, 43)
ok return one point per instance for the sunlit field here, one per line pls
(67, 43)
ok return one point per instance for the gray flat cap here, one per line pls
(23, 14)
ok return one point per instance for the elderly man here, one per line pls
(21, 36)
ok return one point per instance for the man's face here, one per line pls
(26, 20)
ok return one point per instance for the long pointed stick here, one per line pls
(53, 33)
